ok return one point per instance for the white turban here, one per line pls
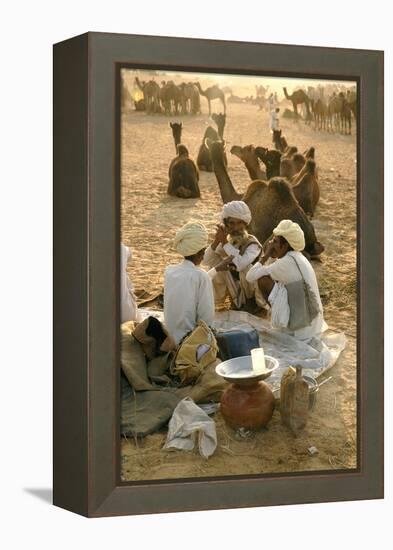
(191, 238)
(292, 232)
(238, 210)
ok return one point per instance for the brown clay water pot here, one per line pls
(247, 406)
(248, 402)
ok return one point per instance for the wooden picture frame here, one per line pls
(86, 274)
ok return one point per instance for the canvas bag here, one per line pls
(196, 351)
(303, 304)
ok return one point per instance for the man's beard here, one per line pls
(236, 240)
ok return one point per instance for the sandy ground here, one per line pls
(149, 220)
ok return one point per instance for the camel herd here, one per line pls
(332, 115)
(174, 99)
(284, 183)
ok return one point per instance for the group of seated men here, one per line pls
(238, 269)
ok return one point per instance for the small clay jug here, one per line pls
(247, 405)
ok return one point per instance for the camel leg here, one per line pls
(208, 101)
(225, 107)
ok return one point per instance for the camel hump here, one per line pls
(182, 150)
(283, 190)
(252, 188)
(211, 133)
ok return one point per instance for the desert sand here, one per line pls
(149, 220)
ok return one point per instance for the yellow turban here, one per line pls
(191, 238)
(292, 232)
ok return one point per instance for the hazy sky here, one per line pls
(240, 85)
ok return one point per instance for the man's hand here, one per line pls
(267, 251)
(220, 236)
(224, 265)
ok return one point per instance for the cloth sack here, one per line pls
(153, 337)
(236, 343)
(303, 304)
(195, 352)
(190, 425)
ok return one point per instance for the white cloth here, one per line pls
(188, 297)
(280, 313)
(284, 270)
(213, 257)
(189, 425)
(238, 210)
(128, 305)
(274, 121)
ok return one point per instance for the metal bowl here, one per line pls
(239, 370)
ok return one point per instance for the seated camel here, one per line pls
(183, 176)
(271, 159)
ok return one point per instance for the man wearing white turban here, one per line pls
(232, 239)
(283, 263)
(188, 290)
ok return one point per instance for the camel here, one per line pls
(289, 152)
(352, 101)
(183, 176)
(346, 115)
(334, 108)
(177, 128)
(151, 95)
(298, 98)
(170, 96)
(204, 160)
(214, 92)
(249, 157)
(319, 108)
(306, 188)
(269, 203)
(220, 120)
(290, 167)
(271, 159)
(190, 99)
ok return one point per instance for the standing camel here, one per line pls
(214, 92)
(151, 95)
(298, 98)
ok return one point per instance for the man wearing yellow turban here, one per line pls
(281, 264)
(188, 290)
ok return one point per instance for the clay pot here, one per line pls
(248, 406)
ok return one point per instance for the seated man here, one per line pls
(188, 290)
(128, 305)
(282, 263)
(232, 239)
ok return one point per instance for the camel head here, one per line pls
(245, 154)
(220, 120)
(309, 153)
(216, 148)
(286, 169)
(271, 159)
(291, 151)
(176, 130)
(311, 166)
(298, 162)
